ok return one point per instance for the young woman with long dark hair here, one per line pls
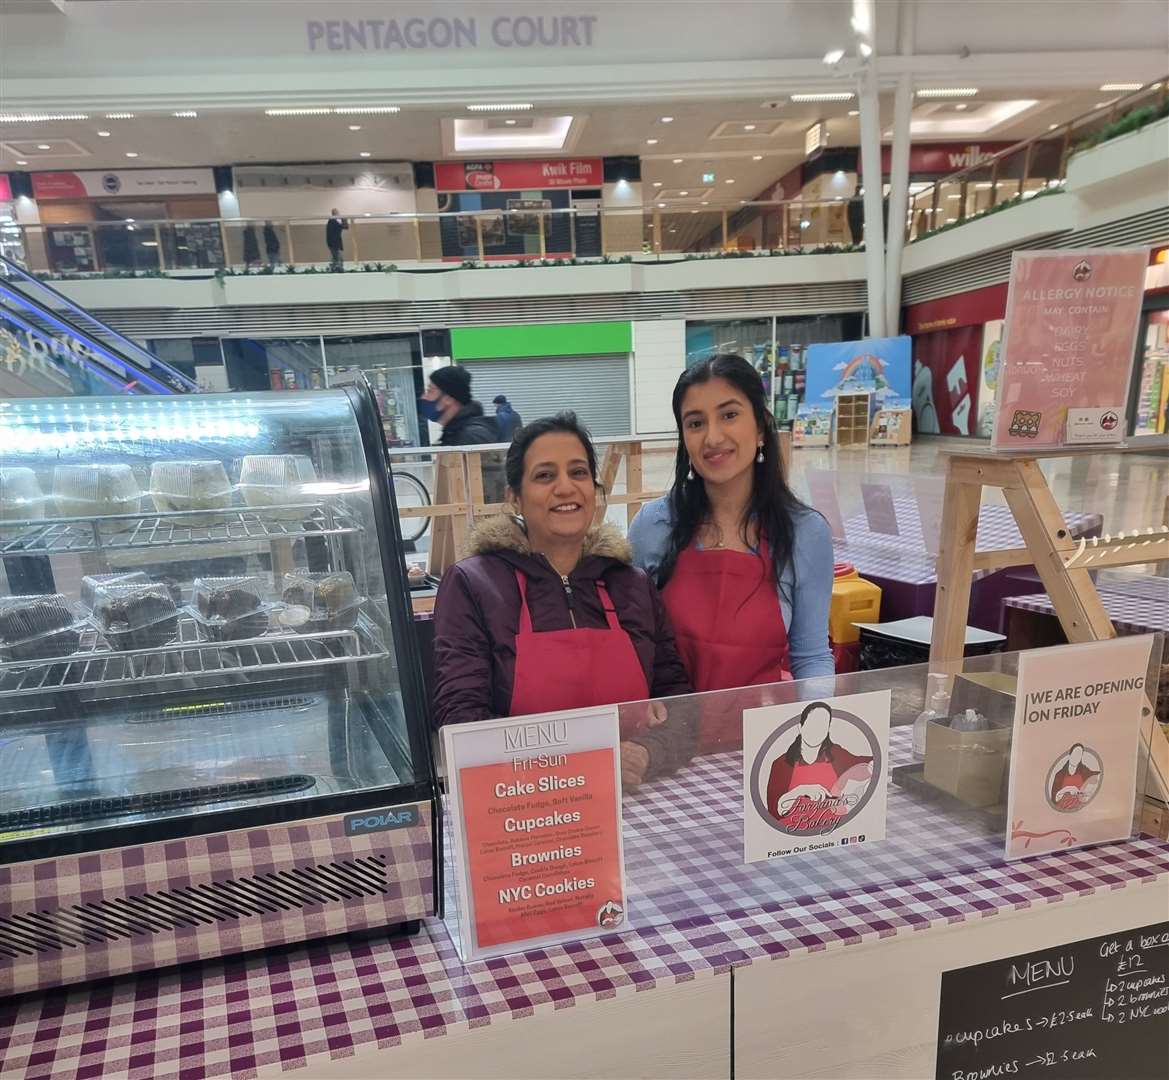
(745, 568)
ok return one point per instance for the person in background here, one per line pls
(506, 418)
(334, 228)
(448, 402)
(251, 247)
(547, 613)
(271, 243)
(744, 567)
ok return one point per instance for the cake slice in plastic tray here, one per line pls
(229, 597)
(95, 490)
(21, 498)
(189, 486)
(38, 628)
(273, 482)
(136, 615)
(92, 582)
(317, 602)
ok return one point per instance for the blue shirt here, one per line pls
(805, 587)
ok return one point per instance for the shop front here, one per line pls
(1149, 398)
(956, 361)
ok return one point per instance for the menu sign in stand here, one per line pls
(1096, 1009)
(1068, 347)
(535, 808)
(1079, 712)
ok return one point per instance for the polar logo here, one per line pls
(111, 183)
(372, 821)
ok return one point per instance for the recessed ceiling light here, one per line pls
(130, 219)
(728, 181)
(22, 163)
(354, 127)
(757, 157)
(1052, 127)
(667, 119)
(651, 142)
(367, 110)
(838, 96)
(32, 118)
(947, 92)
(131, 153)
(961, 106)
(683, 193)
(511, 123)
(678, 161)
(312, 111)
(367, 214)
(364, 153)
(657, 183)
(1101, 104)
(694, 211)
(748, 127)
(1112, 87)
(854, 112)
(864, 48)
(705, 202)
(661, 206)
(119, 116)
(44, 146)
(833, 56)
(520, 107)
(186, 114)
(103, 134)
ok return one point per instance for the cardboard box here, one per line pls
(970, 765)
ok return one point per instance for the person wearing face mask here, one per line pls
(448, 402)
(548, 613)
(744, 567)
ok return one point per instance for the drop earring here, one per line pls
(690, 474)
(759, 456)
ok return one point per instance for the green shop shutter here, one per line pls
(596, 388)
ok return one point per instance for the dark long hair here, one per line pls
(792, 754)
(772, 506)
(563, 423)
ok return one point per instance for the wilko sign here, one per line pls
(944, 158)
(535, 175)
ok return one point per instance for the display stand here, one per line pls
(852, 420)
(1064, 564)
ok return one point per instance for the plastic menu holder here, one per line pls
(95, 490)
(191, 485)
(136, 615)
(38, 627)
(21, 498)
(230, 608)
(319, 602)
(277, 480)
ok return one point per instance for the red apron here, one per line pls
(730, 633)
(810, 815)
(573, 669)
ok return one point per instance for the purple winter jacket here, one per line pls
(476, 618)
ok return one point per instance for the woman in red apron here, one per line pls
(1074, 784)
(744, 567)
(548, 612)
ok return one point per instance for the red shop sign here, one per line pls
(535, 175)
(966, 309)
(58, 185)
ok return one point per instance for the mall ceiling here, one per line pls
(751, 142)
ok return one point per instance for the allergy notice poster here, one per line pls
(536, 821)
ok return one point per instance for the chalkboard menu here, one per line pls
(1097, 1008)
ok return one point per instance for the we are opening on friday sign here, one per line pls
(536, 814)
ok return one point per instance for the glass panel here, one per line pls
(393, 365)
(274, 363)
(202, 620)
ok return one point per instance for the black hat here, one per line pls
(454, 381)
(499, 399)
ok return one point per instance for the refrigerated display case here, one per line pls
(213, 734)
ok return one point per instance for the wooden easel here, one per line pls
(1063, 563)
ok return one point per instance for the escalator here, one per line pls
(50, 346)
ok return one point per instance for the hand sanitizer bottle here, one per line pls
(934, 712)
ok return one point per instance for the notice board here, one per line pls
(1096, 1009)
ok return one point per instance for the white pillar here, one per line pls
(870, 110)
(898, 201)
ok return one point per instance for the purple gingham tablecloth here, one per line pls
(694, 912)
(1130, 612)
(904, 556)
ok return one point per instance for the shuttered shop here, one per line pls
(543, 369)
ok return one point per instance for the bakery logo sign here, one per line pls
(513, 30)
(24, 351)
(1082, 270)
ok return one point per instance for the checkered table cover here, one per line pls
(693, 912)
(1130, 612)
(904, 557)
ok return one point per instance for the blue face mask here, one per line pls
(428, 409)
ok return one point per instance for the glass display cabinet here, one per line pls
(213, 733)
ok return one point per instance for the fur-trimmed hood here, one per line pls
(505, 534)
